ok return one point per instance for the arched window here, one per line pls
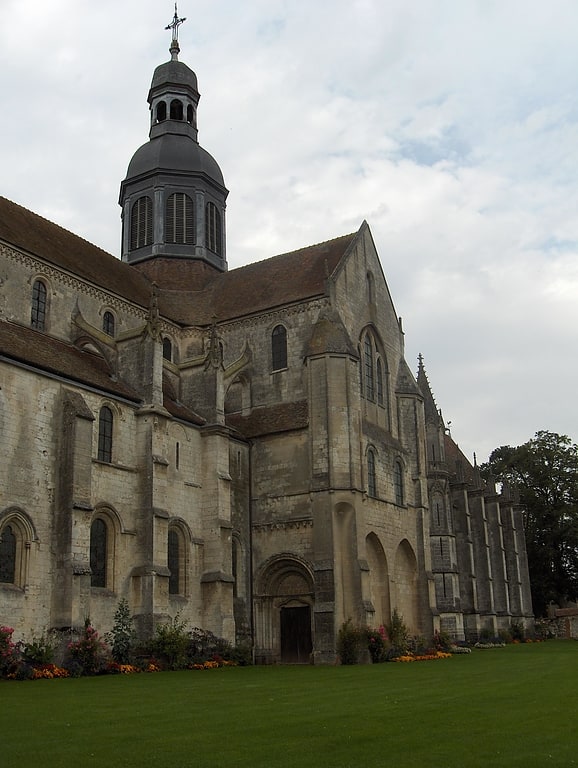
(368, 360)
(167, 349)
(279, 348)
(179, 219)
(98, 553)
(174, 562)
(190, 114)
(371, 477)
(39, 305)
(105, 424)
(108, 323)
(213, 235)
(141, 223)
(161, 111)
(8, 555)
(398, 483)
(176, 109)
(379, 371)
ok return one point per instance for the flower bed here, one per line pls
(423, 656)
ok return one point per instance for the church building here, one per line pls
(248, 449)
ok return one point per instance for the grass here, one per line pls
(513, 706)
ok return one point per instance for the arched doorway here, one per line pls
(283, 612)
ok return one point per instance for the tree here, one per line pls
(545, 472)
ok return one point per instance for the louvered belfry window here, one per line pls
(213, 238)
(180, 219)
(141, 223)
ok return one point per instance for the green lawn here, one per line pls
(514, 706)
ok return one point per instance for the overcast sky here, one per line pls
(451, 126)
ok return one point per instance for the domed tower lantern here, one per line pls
(173, 196)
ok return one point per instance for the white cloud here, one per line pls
(451, 127)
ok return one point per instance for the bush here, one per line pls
(517, 631)
(442, 641)
(89, 651)
(40, 650)
(398, 636)
(122, 636)
(9, 650)
(172, 643)
(376, 644)
(348, 643)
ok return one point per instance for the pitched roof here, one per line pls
(43, 352)
(263, 285)
(281, 280)
(272, 419)
(39, 237)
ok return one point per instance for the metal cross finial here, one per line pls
(175, 24)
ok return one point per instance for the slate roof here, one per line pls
(263, 285)
(40, 237)
(271, 420)
(37, 349)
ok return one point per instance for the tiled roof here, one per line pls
(263, 285)
(38, 236)
(270, 420)
(37, 349)
(45, 353)
(177, 409)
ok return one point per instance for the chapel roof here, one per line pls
(45, 353)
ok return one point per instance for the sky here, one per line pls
(451, 127)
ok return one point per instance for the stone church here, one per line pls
(248, 449)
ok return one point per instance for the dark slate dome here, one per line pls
(174, 153)
(175, 73)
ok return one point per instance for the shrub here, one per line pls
(398, 635)
(40, 650)
(171, 643)
(122, 636)
(517, 631)
(348, 642)
(442, 641)
(376, 644)
(89, 651)
(9, 650)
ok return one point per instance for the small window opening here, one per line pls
(161, 111)
(176, 109)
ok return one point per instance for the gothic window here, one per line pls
(279, 348)
(369, 372)
(174, 562)
(176, 109)
(398, 483)
(108, 323)
(379, 378)
(39, 304)
(179, 219)
(213, 234)
(105, 423)
(371, 477)
(167, 349)
(8, 543)
(161, 111)
(98, 553)
(141, 223)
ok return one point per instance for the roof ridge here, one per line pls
(59, 226)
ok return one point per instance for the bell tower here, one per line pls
(173, 197)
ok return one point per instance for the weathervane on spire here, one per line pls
(174, 25)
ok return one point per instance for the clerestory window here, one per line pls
(279, 348)
(39, 306)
